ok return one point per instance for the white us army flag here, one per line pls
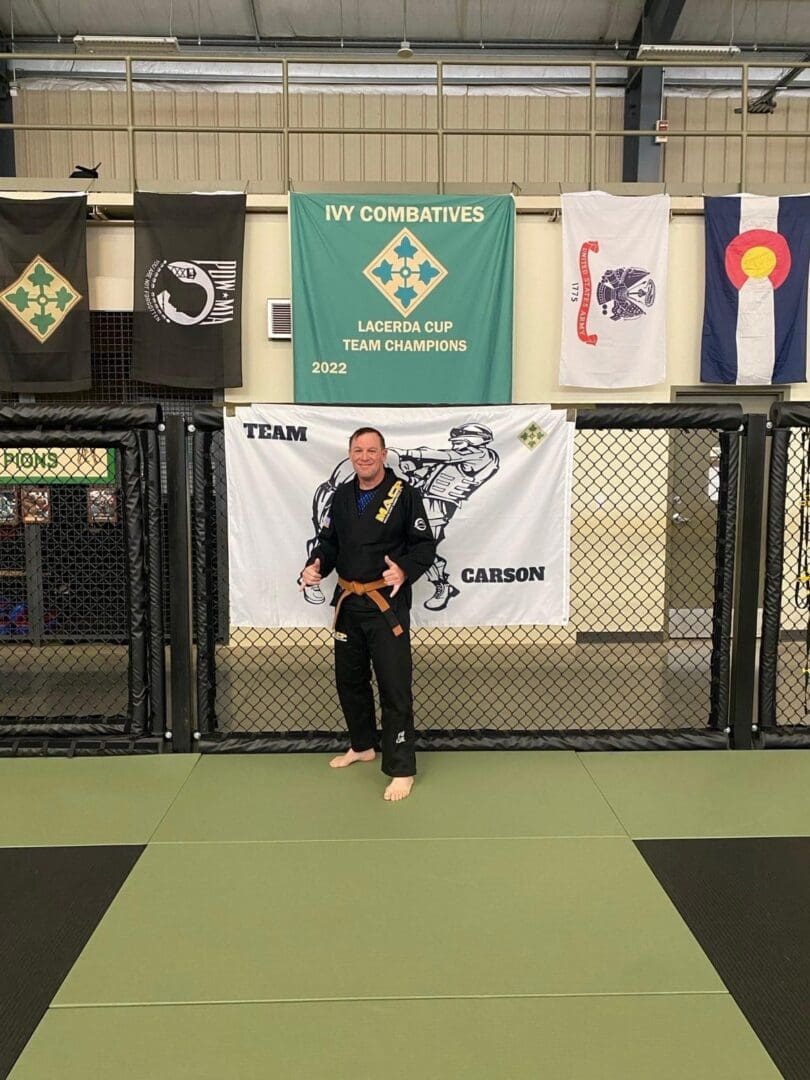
(614, 330)
(495, 480)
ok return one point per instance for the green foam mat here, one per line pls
(346, 919)
(92, 800)
(660, 794)
(462, 794)
(668, 1037)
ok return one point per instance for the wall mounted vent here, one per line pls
(279, 320)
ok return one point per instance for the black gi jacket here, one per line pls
(394, 524)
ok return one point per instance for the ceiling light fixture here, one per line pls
(404, 52)
(687, 50)
(105, 43)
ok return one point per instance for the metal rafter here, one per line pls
(766, 102)
(255, 20)
(658, 21)
(643, 95)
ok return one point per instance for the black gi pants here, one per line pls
(371, 642)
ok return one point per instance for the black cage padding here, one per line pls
(789, 738)
(783, 719)
(428, 740)
(127, 443)
(774, 569)
(78, 745)
(93, 418)
(790, 414)
(660, 416)
(203, 512)
(601, 417)
(150, 451)
(725, 549)
(207, 417)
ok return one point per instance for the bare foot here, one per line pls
(399, 788)
(349, 758)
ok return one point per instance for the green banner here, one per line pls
(402, 299)
(57, 465)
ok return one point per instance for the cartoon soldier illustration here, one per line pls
(321, 504)
(446, 479)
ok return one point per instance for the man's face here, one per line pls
(368, 458)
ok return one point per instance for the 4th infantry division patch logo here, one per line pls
(405, 272)
(40, 298)
(532, 436)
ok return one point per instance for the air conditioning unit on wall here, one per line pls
(279, 320)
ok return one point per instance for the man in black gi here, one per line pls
(378, 537)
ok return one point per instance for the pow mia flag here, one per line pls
(44, 313)
(188, 289)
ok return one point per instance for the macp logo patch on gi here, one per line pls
(405, 272)
(41, 298)
(390, 501)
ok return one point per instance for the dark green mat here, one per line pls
(747, 901)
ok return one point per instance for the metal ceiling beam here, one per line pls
(383, 46)
(643, 97)
(56, 30)
(658, 21)
(8, 166)
(255, 20)
(644, 92)
(766, 102)
(578, 50)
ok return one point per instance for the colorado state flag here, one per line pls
(755, 318)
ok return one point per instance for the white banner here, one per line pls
(495, 480)
(614, 290)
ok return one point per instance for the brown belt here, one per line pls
(371, 589)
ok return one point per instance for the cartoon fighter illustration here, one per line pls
(446, 479)
(321, 505)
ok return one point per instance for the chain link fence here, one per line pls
(66, 679)
(75, 645)
(644, 660)
(111, 360)
(784, 690)
(63, 623)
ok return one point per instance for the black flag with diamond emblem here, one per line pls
(44, 310)
(188, 289)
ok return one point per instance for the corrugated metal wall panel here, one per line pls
(322, 158)
(716, 159)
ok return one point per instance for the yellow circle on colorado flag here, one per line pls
(758, 261)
